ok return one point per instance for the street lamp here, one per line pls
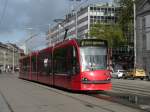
(13, 59)
(49, 34)
(13, 52)
(31, 35)
(134, 11)
(25, 42)
(4, 53)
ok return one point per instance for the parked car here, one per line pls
(118, 74)
(16, 69)
(136, 73)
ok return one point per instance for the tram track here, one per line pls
(84, 99)
(133, 85)
(133, 82)
(84, 102)
(130, 92)
(142, 91)
(103, 96)
(131, 89)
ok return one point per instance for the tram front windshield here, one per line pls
(93, 58)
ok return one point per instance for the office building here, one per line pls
(79, 22)
(143, 35)
(9, 56)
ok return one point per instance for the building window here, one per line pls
(148, 41)
(146, 25)
(33, 63)
(91, 17)
(143, 23)
(91, 8)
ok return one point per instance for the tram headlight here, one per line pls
(84, 79)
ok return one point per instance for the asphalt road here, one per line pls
(137, 87)
(19, 95)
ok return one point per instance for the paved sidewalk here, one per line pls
(3, 105)
(25, 96)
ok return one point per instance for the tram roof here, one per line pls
(79, 41)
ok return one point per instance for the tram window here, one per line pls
(71, 60)
(50, 63)
(74, 57)
(76, 67)
(65, 60)
(40, 63)
(33, 64)
(26, 65)
(44, 63)
(60, 60)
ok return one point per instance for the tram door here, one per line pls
(71, 65)
(63, 66)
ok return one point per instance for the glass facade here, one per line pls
(81, 21)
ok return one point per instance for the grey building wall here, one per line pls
(143, 34)
(86, 16)
(9, 54)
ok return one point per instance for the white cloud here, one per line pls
(30, 13)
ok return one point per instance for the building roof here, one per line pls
(9, 46)
(3, 45)
(13, 45)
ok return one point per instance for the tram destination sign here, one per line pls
(92, 43)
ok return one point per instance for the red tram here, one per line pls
(72, 64)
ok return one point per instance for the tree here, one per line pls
(126, 17)
(126, 11)
(110, 32)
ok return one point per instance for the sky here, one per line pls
(21, 18)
